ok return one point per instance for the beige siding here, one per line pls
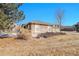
(49, 29)
(37, 29)
(55, 30)
(33, 31)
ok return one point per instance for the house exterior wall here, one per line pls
(34, 34)
(38, 29)
(55, 28)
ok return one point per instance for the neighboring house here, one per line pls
(67, 28)
(39, 28)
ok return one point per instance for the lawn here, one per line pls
(57, 45)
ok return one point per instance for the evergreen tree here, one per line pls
(10, 14)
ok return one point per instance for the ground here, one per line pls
(56, 45)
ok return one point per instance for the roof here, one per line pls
(39, 22)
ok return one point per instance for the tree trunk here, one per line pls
(60, 25)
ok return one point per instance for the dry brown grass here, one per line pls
(55, 45)
(23, 33)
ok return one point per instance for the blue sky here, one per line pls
(45, 12)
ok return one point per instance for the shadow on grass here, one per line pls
(46, 35)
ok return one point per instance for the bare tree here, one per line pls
(59, 16)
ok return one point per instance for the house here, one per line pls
(37, 28)
(67, 28)
(55, 28)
